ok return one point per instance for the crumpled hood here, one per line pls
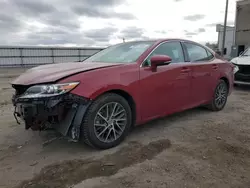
(54, 72)
(242, 60)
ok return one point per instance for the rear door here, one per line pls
(166, 90)
(204, 68)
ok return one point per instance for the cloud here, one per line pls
(194, 17)
(61, 19)
(9, 23)
(59, 36)
(100, 9)
(99, 3)
(42, 12)
(191, 33)
(102, 35)
(201, 30)
(9, 26)
(47, 22)
(133, 33)
(33, 8)
(105, 22)
(62, 23)
(101, 13)
(161, 31)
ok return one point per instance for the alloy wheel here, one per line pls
(221, 95)
(110, 122)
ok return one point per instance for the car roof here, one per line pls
(158, 41)
(162, 40)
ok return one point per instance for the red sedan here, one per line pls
(98, 100)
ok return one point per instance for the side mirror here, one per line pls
(159, 60)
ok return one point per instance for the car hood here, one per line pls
(54, 72)
(242, 60)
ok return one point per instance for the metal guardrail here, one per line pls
(13, 56)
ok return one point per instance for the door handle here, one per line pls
(215, 66)
(185, 70)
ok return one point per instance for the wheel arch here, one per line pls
(226, 80)
(128, 98)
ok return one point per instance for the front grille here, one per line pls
(243, 73)
(244, 69)
(242, 77)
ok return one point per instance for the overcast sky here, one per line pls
(105, 22)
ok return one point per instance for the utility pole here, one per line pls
(224, 29)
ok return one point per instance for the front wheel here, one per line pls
(107, 122)
(220, 96)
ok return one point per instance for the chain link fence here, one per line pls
(34, 56)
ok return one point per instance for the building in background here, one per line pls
(229, 40)
(242, 26)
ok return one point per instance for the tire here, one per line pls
(214, 106)
(89, 130)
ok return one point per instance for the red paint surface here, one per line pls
(169, 89)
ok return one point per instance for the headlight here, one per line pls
(234, 62)
(48, 90)
(236, 68)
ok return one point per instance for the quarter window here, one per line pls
(197, 53)
(210, 55)
(171, 49)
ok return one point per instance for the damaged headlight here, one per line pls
(236, 69)
(48, 90)
(234, 62)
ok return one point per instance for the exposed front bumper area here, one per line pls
(63, 113)
(242, 76)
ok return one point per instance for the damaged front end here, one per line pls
(241, 74)
(50, 106)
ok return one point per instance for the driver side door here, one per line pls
(166, 90)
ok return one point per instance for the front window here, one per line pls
(121, 53)
(247, 52)
(171, 49)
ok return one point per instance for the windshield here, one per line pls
(247, 52)
(121, 53)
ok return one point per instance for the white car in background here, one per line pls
(242, 68)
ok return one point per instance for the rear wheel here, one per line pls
(107, 121)
(220, 96)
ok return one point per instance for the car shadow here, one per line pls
(61, 144)
(167, 120)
